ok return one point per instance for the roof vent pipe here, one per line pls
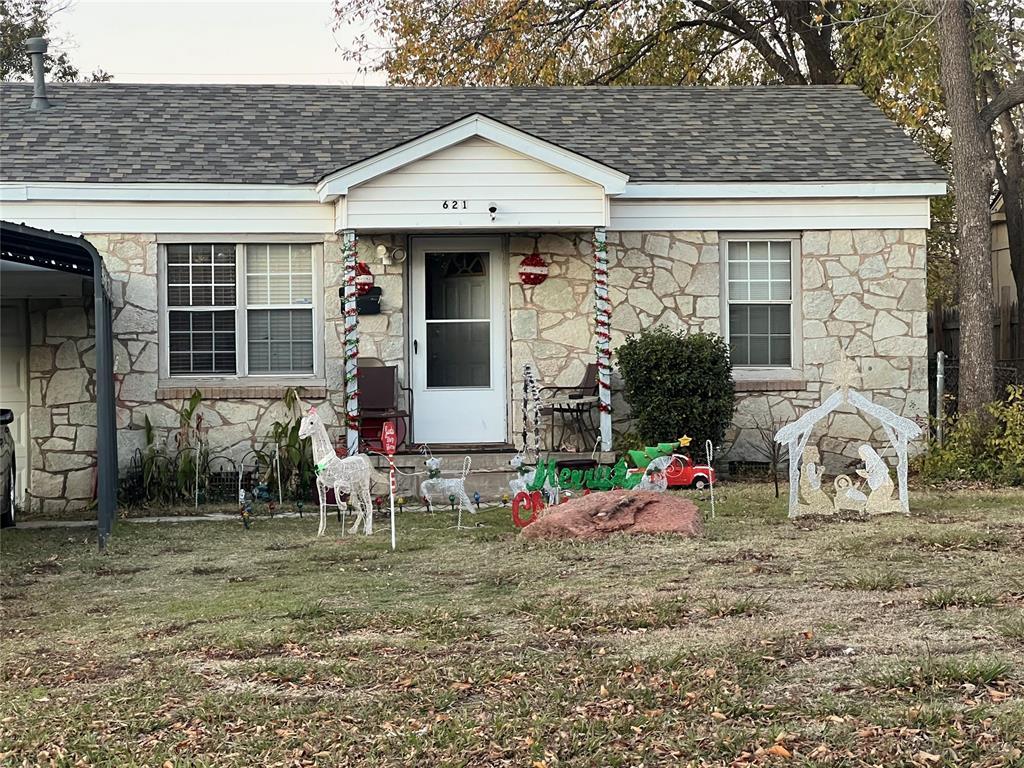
(36, 47)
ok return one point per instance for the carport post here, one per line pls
(106, 434)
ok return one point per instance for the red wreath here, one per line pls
(533, 270)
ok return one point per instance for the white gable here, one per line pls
(454, 187)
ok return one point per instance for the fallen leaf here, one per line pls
(780, 751)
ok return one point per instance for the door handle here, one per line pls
(415, 347)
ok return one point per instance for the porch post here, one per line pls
(348, 249)
(603, 327)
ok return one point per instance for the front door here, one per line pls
(459, 348)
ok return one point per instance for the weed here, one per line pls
(939, 673)
(957, 597)
(882, 581)
(748, 605)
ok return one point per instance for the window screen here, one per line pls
(279, 303)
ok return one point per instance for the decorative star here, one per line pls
(685, 440)
(846, 373)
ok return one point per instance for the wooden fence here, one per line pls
(944, 331)
(944, 336)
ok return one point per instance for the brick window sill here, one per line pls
(182, 390)
(768, 380)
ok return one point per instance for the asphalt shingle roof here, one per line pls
(296, 134)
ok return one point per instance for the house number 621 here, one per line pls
(451, 205)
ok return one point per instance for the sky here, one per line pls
(225, 41)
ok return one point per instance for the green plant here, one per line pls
(954, 597)
(172, 477)
(676, 384)
(981, 447)
(295, 454)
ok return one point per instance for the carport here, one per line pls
(27, 249)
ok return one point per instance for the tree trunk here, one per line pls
(972, 183)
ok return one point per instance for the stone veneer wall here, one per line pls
(668, 278)
(862, 292)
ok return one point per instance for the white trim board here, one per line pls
(159, 192)
(172, 218)
(279, 193)
(770, 215)
(339, 182)
(740, 190)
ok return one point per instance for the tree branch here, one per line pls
(1008, 98)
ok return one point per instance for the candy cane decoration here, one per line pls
(531, 411)
(348, 248)
(603, 328)
(711, 477)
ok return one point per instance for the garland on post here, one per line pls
(603, 321)
(348, 249)
(531, 411)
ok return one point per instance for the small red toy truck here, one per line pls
(683, 473)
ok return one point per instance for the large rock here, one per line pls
(601, 514)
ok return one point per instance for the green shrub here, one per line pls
(677, 384)
(981, 447)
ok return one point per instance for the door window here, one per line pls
(458, 319)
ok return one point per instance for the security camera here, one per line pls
(492, 209)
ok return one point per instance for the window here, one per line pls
(240, 310)
(759, 274)
(201, 334)
(279, 300)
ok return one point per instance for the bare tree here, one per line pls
(768, 447)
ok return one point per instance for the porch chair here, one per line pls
(378, 402)
(574, 405)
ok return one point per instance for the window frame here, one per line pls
(242, 376)
(766, 372)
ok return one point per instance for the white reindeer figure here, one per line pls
(435, 485)
(351, 475)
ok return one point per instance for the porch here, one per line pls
(455, 324)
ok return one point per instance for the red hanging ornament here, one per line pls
(533, 270)
(364, 278)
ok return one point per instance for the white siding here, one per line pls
(527, 193)
(80, 217)
(774, 215)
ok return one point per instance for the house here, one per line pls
(1002, 273)
(231, 219)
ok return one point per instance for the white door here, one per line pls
(14, 385)
(459, 352)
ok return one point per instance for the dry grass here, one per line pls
(892, 642)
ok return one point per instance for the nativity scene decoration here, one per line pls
(872, 492)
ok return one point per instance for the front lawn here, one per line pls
(895, 642)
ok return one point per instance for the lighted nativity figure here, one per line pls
(806, 495)
(351, 475)
(812, 500)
